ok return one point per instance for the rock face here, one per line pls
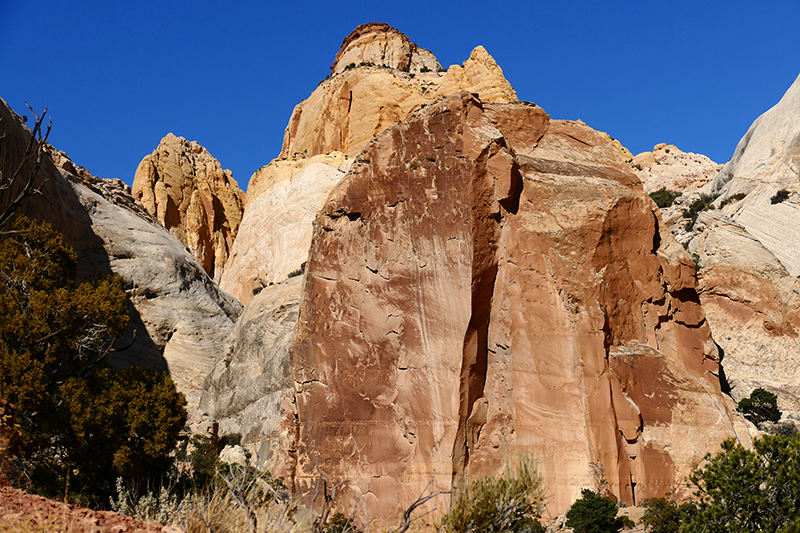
(668, 167)
(344, 112)
(180, 318)
(187, 190)
(246, 389)
(751, 260)
(382, 45)
(485, 281)
(275, 233)
(327, 130)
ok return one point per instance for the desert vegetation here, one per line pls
(663, 197)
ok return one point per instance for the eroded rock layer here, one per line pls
(485, 281)
(378, 89)
(187, 190)
(748, 249)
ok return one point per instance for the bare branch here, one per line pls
(34, 152)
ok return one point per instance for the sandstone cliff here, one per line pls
(748, 249)
(485, 281)
(275, 233)
(344, 112)
(390, 78)
(187, 190)
(180, 318)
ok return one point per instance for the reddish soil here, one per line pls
(26, 513)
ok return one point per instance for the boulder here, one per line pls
(486, 282)
(187, 190)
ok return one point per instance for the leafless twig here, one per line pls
(33, 152)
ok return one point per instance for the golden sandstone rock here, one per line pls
(187, 190)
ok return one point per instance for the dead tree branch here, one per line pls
(35, 153)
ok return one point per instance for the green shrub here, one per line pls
(424, 69)
(593, 513)
(663, 197)
(734, 198)
(740, 490)
(703, 203)
(510, 503)
(661, 515)
(82, 425)
(760, 406)
(339, 523)
(780, 196)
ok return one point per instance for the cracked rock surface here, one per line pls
(485, 281)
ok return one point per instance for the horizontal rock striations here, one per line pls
(485, 282)
(187, 190)
(378, 89)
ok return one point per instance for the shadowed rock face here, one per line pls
(179, 317)
(485, 281)
(187, 190)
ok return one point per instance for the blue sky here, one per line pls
(118, 76)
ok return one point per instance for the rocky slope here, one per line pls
(180, 319)
(484, 282)
(187, 190)
(751, 262)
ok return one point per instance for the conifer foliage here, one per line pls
(83, 425)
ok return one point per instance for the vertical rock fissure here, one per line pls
(487, 218)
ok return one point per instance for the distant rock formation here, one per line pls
(344, 112)
(750, 257)
(485, 281)
(187, 190)
(381, 45)
(180, 318)
(669, 168)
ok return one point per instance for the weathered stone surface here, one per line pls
(247, 387)
(382, 45)
(668, 167)
(180, 317)
(486, 281)
(187, 190)
(750, 257)
(344, 112)
(275, 234)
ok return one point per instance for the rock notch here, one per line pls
(187, 190)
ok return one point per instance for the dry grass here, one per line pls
(218, 512)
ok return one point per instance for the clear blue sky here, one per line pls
(117, 76)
